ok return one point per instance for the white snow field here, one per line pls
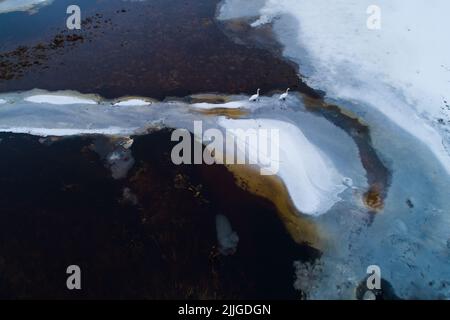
(310, 177)
(401, 70)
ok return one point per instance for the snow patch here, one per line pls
(227, 105)
(59, 99)
(310, 176)
(133, 102)
(227, 238)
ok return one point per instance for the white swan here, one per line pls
(255, 97)
(285, 95)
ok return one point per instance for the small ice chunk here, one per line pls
(133, 102)
(227, 238)
(347, 182)
(126, 143)
(114, 156)
(120, 162)
(227, 105)
(59, 99)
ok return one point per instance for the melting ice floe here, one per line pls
(133, 102)
(226, 105)
(312, 178)
(313, 165)
(60, 99)
(397, 79)
(22, 5)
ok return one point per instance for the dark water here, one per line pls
(60, 206)
(155, 48)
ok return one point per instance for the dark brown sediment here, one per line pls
(229, 113)
(301, 228)
(374, 198)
